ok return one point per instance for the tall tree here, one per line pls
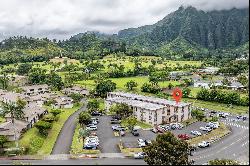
(15, 109)
(167, 150)
(131, 84)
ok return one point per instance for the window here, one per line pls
(176, 110)
(150, 117)
(163, 112)
(168, 112)
(182, 110)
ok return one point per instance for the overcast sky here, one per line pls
(63, 18)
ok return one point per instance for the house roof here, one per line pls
(12, 96)
(63, 100)
(150, 99)
(35, 87)
(136, 103)
(8, 128)
(30, 111)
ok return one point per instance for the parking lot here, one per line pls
(193, 127)
(109, 142)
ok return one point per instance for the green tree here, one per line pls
(223, 162)
(3, 140)
(198, 114)
(167, 150)
(170, 86)
(130, 122)
(93, 105)
(55, 112)
(23, 69)
(122, 110)
(186, 92)
(76, 97)
(37, 76)
(131, 84)
(55, 81)
(4, 81)
(43, 127)
(84, 118)
(103, 87)
(15, 109)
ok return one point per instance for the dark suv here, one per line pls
(135, 132)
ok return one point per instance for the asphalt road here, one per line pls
(64, 140)
(234, 146)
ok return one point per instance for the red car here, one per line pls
(183, 136)
(160, 130)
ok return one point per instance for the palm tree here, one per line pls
(15, 109)
(4, 80)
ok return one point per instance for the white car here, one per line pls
(141, 143)
(95, 119)
(197, 133)
(139, 155)
(204, 144)
(94, 122)
(91, 128)
(92, 138)
(203, 128)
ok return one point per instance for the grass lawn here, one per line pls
(120, 83)
(2, 119)
(32, 140)
(56, 128)
(218, 106)
(38, 144)
(141, 124)
(216, 133)
(77, 144)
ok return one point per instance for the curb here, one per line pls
(221, 137)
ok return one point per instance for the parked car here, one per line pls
(213, 125)
(141, 143)
(213, 112)
(196, 133)
(95, 119)
(183, 136)
(94, 122)
(90, 146)
(154, 130)
(148, 142)
(160, 129)
(122, 133)
(166, 127)
(91, 128)
(241, 117)
(115, 121)
(96, 113)
(135, 132)
(139, 155)
(118, 128)
(208, 129)
(204, 144)
(223, 115)
(116, 117)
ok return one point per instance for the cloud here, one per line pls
(64, 18)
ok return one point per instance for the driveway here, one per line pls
(64, 139)
(108, 142)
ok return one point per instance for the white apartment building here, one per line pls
(151, 110)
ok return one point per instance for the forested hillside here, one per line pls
(186, 34)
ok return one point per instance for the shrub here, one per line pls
(43, 127)
(55, 112)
